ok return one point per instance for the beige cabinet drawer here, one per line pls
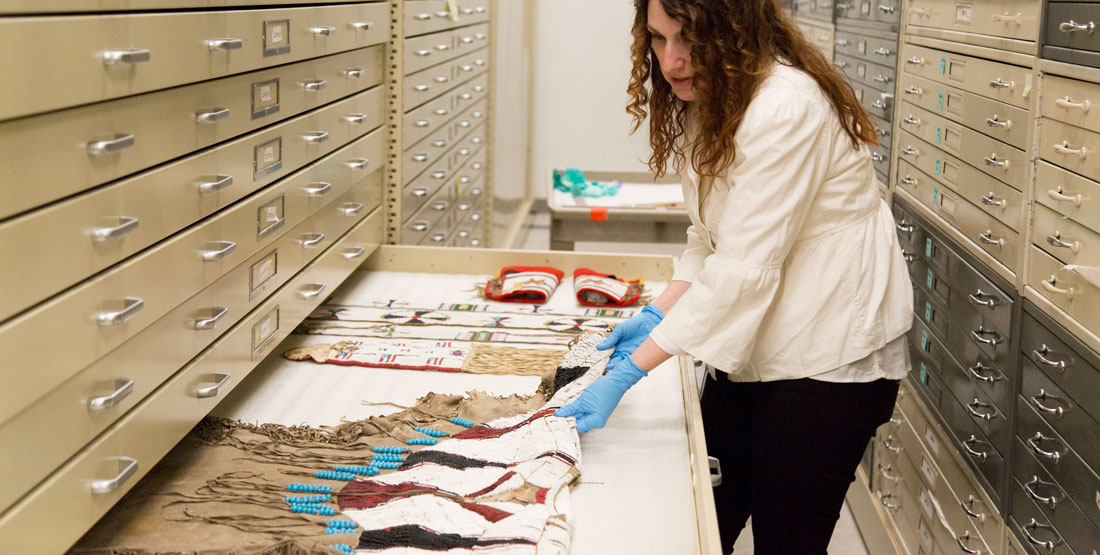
(54, 6)
(437, 210)
(1070, 101)
(985, 193)
(156, 424)
(426, 119)
(991, 156)
(1065, 288)
(429, 50)
(440, 233)
(415, 232)
(1070, 147)
(108, 56)
(430, 83)
(1068, 194)
(996, 119)
(451, 171)
(1014, 19)
(429, 150)
(472, 194)
(154, 282)
(47, 157)
(878, 50)
(430, 16)
(1007, 83)
(58, 246)
(984, 231)
(1065, 239)
(83, 406)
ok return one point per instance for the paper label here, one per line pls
(861, 46)
(939, 100)
(924, 341)
(925, 534)
(265, 328)
(964, 13)
(936, 194)
(269, 154)
(265, 93)
(928, 247)
(272, 213)
(866, 8)
(928, 470)
(939, 134)
(939, 163)
(277, 33)
(943, 65)
(267, 267)
(932, 440)
(931, 280)
(923, 374)
(928, 312)
(926, 503)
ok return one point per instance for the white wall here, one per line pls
(581, 69)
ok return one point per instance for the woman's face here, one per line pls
(673, 54)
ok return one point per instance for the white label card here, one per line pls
(927, 503)
(266, 269)
(964, 13)
(928, 470)
(272, 214)
(925, 534)
(269, 154)
(265, 328)
(265, 93)
(932, 440)
(277, 33)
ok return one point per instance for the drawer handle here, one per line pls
(479, 62)
(1069, 104)
(910, 119)
(1034, 442)
(317, 137)
(322, 31)
(919, 11)
(479, 88)
(123, 388)
(1038, 399)
(420, 192)
(420, 226)
(877, 157)
(111, 146)
(127, 467)
(422, 123)
(879, 104)
(976, 407)
(423, 53)
(977, 372)
(841, 64)
(1072, 26)
(423, 16)
(996, 122)
(976, 298)
(983, 455)
(353, 252)
(439, 174)
(462, 234)
(212, 390)
(126, 226)
(915, 61)
(311, 240)
(1017, 19)
(420, 157)
(841, 42)
(888, 443)
(886, 9)
(475, 192)
(363, 25)
(999, 84)
(966, 507)
(1055, 240)
(477, 166)
(905, 226)
(212, 115)
(822, 39)
(358, 163)
(312, 292)
(441, 111)
(992, 161)
(464, 152)
(318, 189)
(478, 114)
(465, 96)
(883, 51)
(962, 543)
(422, 88)
(464, 180)
(476, 140)
(355, 118)
(443, 14)
(1052, 500)
(131, 307)
(354, 73)
(210, 322)
(843, 6)
(464, 207)
(131, 56)
(442, 47)
(464, 124)
(352, 209)
(988, 239)
(224, 45)
(441, 79)
(467, 40)
(468, 11)
(990, 199)
(884, 471)
(438, 238)
(980, 334)
(467, 67)
(890, 506)
(314, 86)
(881, 79)
(914, 90)
(1051, 286)
(908, 256)
(220, 250)
(1060, 195)
(481, 9)
(910, 151)
(1042, 353)
(480, 36)
(1064, 148)
(476, 216)
(440, 206)
(1035, 524)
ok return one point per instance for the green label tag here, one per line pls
(923, 373)
(931, 280)
(928, 312)
(936, 195)
(928, 247)
(939, 100)
(924, 341)
(943, 65)
(939, 162)
(939, 133)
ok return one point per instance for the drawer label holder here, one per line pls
(265, 98)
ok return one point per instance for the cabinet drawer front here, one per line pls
(1070, 147)
(1029, 522)
(883, 129)
(155, 425)
(976, 448)
(423, 155)
(1052, 500)
(426, 119)
(165, 125)
(441, 112)
(429, 50)
(433, 15)
(995, 158)
(884, 11)
(1070, 101)
(876, 102)
(996, 119)
(1062, 413)
(1073, 369)
(1068, 194)
(1007, 83)
(993, 420)
(872, 49)
(161, 277)
(1065, 288)
(1065, 239)
(163, 50)
(880, 159)
(1071, 25)
(429, 83)
(1017, 19)
(160, 349)
(56, 247)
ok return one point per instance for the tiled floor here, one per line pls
(846, 539)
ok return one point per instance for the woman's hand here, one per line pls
(595, 404)
(628, 335)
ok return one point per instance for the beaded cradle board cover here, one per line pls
(501, 487)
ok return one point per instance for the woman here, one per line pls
(792, 283)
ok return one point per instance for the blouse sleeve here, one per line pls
(779, 168)
(691, 261)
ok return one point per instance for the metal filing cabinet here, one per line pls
(443, 139)
(176, 199)
(866, 54)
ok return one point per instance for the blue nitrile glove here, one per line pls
(594, 405)
(629, 335)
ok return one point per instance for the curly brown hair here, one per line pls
(733, 44)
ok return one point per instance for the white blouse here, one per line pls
(793, 258)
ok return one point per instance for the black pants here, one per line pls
(789, 450)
